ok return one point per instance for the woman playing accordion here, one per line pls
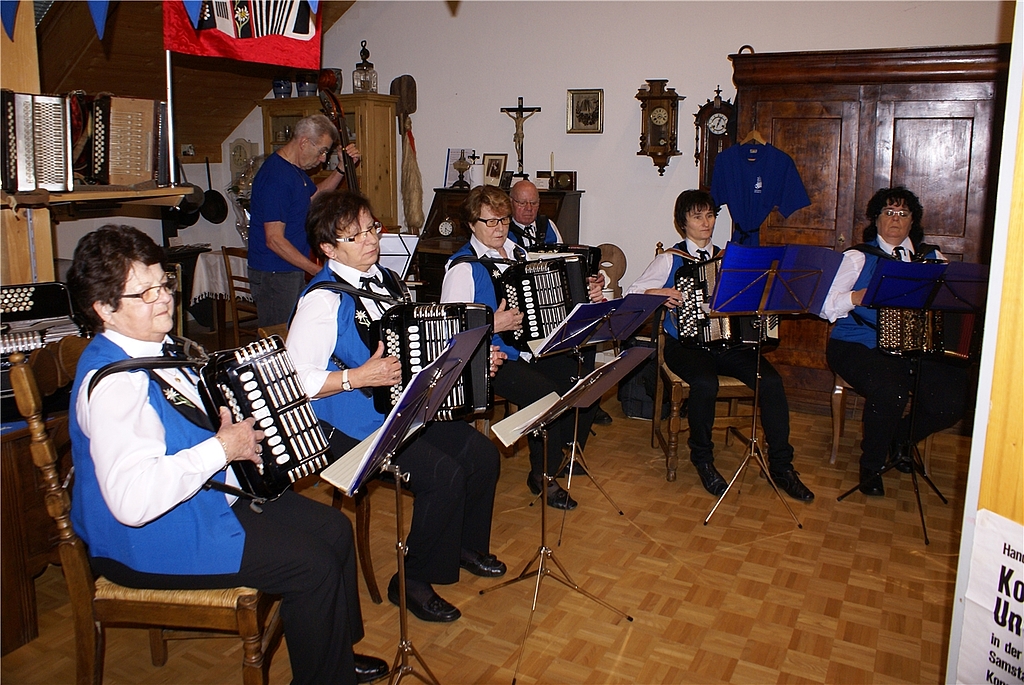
(885, 381)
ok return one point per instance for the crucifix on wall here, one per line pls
(519, 115)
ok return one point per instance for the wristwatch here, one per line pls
(345, 385)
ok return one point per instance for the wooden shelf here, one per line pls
(167, 196)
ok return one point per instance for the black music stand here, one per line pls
(590, 324)
(760, 281)
(417, 406)
(540, 415)
(953, 286)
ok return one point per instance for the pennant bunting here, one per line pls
(98, 10)
(8, 13)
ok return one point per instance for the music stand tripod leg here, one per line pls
(543, 555)
(406, 650)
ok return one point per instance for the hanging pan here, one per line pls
(214, 208)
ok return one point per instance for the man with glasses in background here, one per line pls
(281, 193)
(884, 380)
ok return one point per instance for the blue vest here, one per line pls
(483, 292)
(199, 536)
(861, 324)
(350, 412)
(543, 223)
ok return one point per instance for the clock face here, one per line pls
(446, 227)
(659, 116)
(717, 123)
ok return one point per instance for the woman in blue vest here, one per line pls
(468, 278)
(143, 447)
(452, 468)
(884, 380)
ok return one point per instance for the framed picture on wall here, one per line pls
(584, 111)
(494, 167)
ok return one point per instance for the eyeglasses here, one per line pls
(491, 223)
(152, 294)
(901, 213)
(527, 203)
(321, 152)
(375, 229)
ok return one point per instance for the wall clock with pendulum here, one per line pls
(716, 130)
(659, 122)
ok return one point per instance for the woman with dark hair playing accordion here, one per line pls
(452, 468)
(143, 448)
(885, 380)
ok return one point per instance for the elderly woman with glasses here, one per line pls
(452, 468)
(885, 380)
(521, 380)
(281, 193)
(143, 448)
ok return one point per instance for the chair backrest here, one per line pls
(238, 284)
(73, 553)
(613, 264)
(280, 329)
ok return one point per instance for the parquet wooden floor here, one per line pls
(853, 597)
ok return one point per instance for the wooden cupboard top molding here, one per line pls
(945, 64)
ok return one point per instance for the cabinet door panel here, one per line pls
(939, 150)
(821, 137)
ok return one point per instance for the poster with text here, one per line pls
(991, 643)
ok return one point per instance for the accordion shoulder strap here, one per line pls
(140, 364)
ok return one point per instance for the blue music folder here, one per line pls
(906, 285)
(799, 278)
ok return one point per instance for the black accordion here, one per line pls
(545, 291)
(36, 141)
(695, 321)
(416, 334)
(591, 256)
(956, 335)
(259, 380)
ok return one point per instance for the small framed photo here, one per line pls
(506, 181)
(494, 167)
(584, 111)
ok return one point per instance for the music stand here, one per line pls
(586, 391)
(953, 286)
(417, 406)
(590, 324)
(760, 281)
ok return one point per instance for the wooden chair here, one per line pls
(729, 389)
(97, 603)
(280, 329)
(839, 390)
(241, 311)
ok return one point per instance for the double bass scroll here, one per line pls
(336, 113)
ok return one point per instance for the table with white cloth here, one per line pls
(211, 281)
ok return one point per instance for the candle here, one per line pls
(552, 164)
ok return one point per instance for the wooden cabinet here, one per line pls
(434, 249)
(856, 121)
(370, 119)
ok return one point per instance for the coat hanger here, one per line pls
(753, 137)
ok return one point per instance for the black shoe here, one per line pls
(370, 668)
(871, 483)
(558, 498)
(900, 458)
(710, 478)
(577, 470)
(601, 417)
(423, 602)
(789, 481)
(484, 565)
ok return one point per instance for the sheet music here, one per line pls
(510, 429)
(396, 250)
(347, 469)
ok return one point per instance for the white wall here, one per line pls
(469, 66)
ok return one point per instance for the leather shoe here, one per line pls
(484, 565)
(789, 481)
(370, 668)
(601, 417)
(577, 470)
(423, 602)
(871, 483)
(710, 478)
(557, 497)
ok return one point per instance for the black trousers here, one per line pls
(886, 381)
(453, 471)
(299, 549)
(524, 382)
(701, 367)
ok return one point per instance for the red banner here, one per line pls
(290, 38)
